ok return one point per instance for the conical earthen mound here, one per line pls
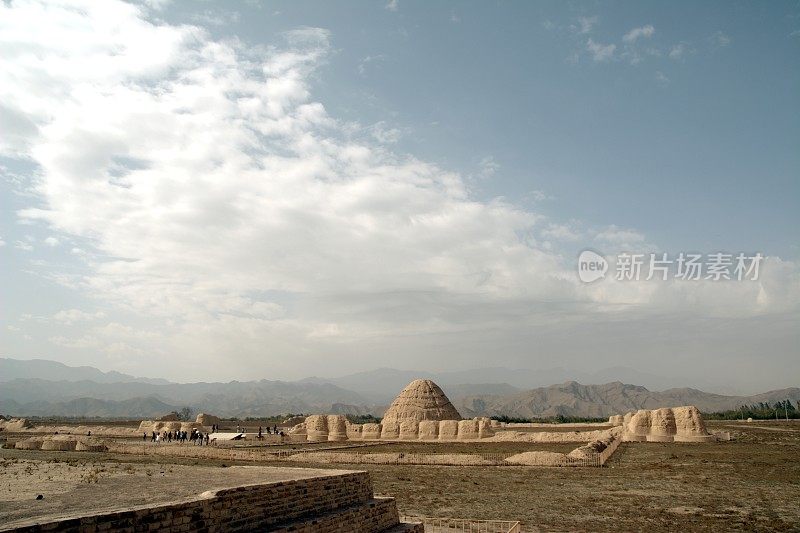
(421, 400)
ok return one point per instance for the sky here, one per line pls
(219, 190)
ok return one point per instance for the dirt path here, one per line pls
(767, 428)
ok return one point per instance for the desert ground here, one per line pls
(750, 483)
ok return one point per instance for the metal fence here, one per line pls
(464, 525)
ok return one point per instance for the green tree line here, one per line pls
(758, 411)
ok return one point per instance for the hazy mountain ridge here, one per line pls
(574, 399)
(90, 407)
(235, 398)
(380, 385)
(362, 393)
(11, 369)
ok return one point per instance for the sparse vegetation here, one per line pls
(558, 419)
(92, 476)
(185, 414)
(264, 420)
(363, 419)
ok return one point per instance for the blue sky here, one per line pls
(295, 188)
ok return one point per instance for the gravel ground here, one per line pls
(749, 484)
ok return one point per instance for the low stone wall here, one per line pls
(379, 514)
(396, 458)
(595, 453)
(321, 428)
(342, 502)
(554, 436)
(26, 427)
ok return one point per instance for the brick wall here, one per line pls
(335, 503)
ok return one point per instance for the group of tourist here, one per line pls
(270, 431)
(199, 438)
(195, 437)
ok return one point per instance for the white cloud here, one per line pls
(2, 242)
(720, 39)
(489, 166)
(17, 129)
(622, 239)
(600, 52)
(385, 134)
(23, 245)
(254, 227)
(364, 64)
(661, 77)
(562, 232)
(538, 196)
(157, 5)
(71, 316)
(679, 51)
(585, 25)
(211, 17)
(246, 186)
(392, 5)
(644, 32)
(51, 241)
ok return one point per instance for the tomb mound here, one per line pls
(421, 400)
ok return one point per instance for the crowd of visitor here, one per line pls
(198, 438)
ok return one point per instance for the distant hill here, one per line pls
(145, 408)
(382, 384)
(251, 398)
(11, 369)
(573, 399)
(40, 388)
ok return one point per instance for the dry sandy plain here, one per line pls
(751, 483)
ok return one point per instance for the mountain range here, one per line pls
(574, 399)
(48, 388)
(11, 369)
